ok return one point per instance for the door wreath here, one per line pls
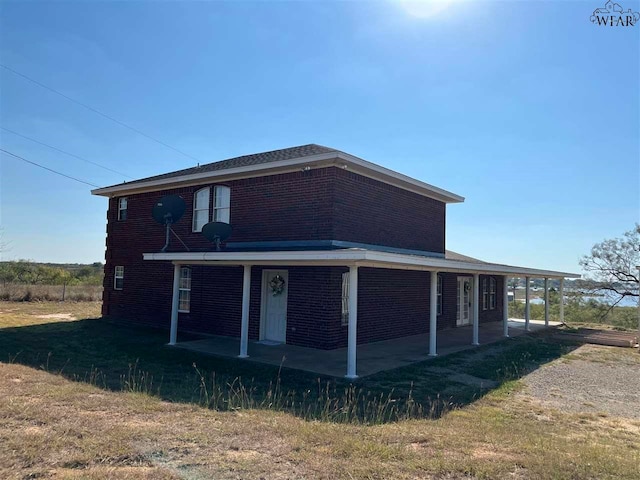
(277, 285)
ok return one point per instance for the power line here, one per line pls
(47, 168)
(133, 129)
(62, 151)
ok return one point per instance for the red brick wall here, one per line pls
(369, 211)
(322, 204)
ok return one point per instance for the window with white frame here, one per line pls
(345, 298)
(439, 295)
(118, 278)
(492, 293)
(184, 288)
(221, 204)
(122, 208)
(485, 294)
(201, 209)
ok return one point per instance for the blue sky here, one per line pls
(525, 108)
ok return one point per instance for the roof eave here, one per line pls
(338, 159)
(359, 257)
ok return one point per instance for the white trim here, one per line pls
(336, 159)
(527, 304)
(263, 300)
(184, 289)
(344, 299)
(352, 334)
(173, 331)
(433, 311)
(116, 277)
(196, 209)
(476, 309)
(460, 292)
(122, 200)
(505, 307)
(227, 198)
(244, 321)
(363, 258)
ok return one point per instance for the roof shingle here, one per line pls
(245, 161)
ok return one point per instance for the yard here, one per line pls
(84, 398)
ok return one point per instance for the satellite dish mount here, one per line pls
(167, 211)
(217, 232)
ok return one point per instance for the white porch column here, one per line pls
(175, 298)
(546, 302)
(505, 307)
(476, 302)
(433, 314)
(561, 294)
(353, 323)
(244, 327)
(527, 310)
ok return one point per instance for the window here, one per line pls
(201, 206)
(492, 293)
(184, 288)
(200, 209)
(439, 295)
(118, 278)
(345, 298)
(221, 204)
(122, 208)
(485, 294)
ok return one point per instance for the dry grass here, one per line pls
(40, 293)
(52, 427)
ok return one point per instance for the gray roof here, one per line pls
(458, 257)
(245, 160)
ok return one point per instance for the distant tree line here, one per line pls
(25, 272)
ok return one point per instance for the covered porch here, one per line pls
(372, 357)
(364, 358)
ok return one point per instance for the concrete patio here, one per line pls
(372, 357)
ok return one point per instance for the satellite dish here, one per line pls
(169, 209)
(217, 232)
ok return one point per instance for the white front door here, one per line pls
(464, 300)
(275, 286)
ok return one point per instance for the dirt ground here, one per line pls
(592, 378)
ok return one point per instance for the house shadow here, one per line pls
(119, 357)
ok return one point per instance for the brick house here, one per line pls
(327, 250)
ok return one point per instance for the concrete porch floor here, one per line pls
(372, 357)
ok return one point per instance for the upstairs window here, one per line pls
(122, 208)
(492, 293)
(439, 295)
(485, 294)
(118, 278)
(202, 204)
(184, 298)
(345, 299)
(200, 209)
(221, 204)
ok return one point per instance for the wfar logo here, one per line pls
(612, 15)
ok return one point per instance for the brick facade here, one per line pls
(319, 204)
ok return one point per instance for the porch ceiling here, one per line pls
(352, 256)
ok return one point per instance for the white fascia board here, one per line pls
(338, 159)
(360, 257)
(197, 178)
(251, 257)
(401, 180)
(442, 264)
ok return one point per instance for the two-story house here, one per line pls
(327, 250)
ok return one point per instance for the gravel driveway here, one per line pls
(590, 379)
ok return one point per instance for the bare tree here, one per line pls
(611, 266)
